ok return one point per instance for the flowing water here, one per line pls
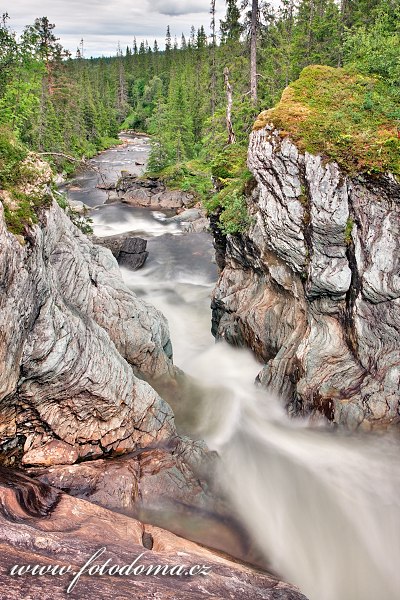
(323, 507)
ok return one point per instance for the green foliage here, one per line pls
(374, 50)
(346, 117)
(12, 154)
(231, 28)
(22, 217)
(82, 221)
(56, 104)
(193, 176)
(230, 163)
(234, 218)
(232, 180)
(348, 231)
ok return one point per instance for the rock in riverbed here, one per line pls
(151, 193)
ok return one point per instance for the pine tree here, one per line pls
(231, 28)
(168, 40)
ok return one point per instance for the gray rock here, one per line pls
(186, 216)
(151, 193)
(78, 207)
(197, 226)
(72, 336)
(314, 287)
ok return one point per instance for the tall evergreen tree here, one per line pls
(231, 27)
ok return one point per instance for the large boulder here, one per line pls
(133, 253)
(73, 335)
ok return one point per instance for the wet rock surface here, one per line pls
(172, 486)
(39, 525)
(313, 287)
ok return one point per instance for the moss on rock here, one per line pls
(342, 115)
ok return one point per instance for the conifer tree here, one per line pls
(231, 27)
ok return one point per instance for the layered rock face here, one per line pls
(72, 339)
(314, 288)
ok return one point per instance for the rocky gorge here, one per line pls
(91, 381)
(78, 349)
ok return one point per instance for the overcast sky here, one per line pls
(104, 23)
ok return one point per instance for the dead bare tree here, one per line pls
(229, 103)
(253, 50)
(213, 59)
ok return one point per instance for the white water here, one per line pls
(323, 507)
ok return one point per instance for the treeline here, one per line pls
(188, 106)
(55, 102)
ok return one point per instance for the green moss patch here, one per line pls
(23, 189)
(344, 116)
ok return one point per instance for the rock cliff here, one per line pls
(71, 333)
(313, 286)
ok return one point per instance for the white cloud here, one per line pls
(104, 23)
(179, 7)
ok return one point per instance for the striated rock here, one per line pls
(52, 453)
(172, 486)
(72, 336)
(40, 526)
(145, 479)
(313, 287)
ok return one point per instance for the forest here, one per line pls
(199, 96)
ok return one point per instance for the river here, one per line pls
(323, 506)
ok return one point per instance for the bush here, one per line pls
(12, 153)
(232, 179)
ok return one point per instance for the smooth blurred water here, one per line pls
(324, 507)
(106, 168)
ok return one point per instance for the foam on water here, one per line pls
(324, 507)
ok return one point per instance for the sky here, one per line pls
(104, 23)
